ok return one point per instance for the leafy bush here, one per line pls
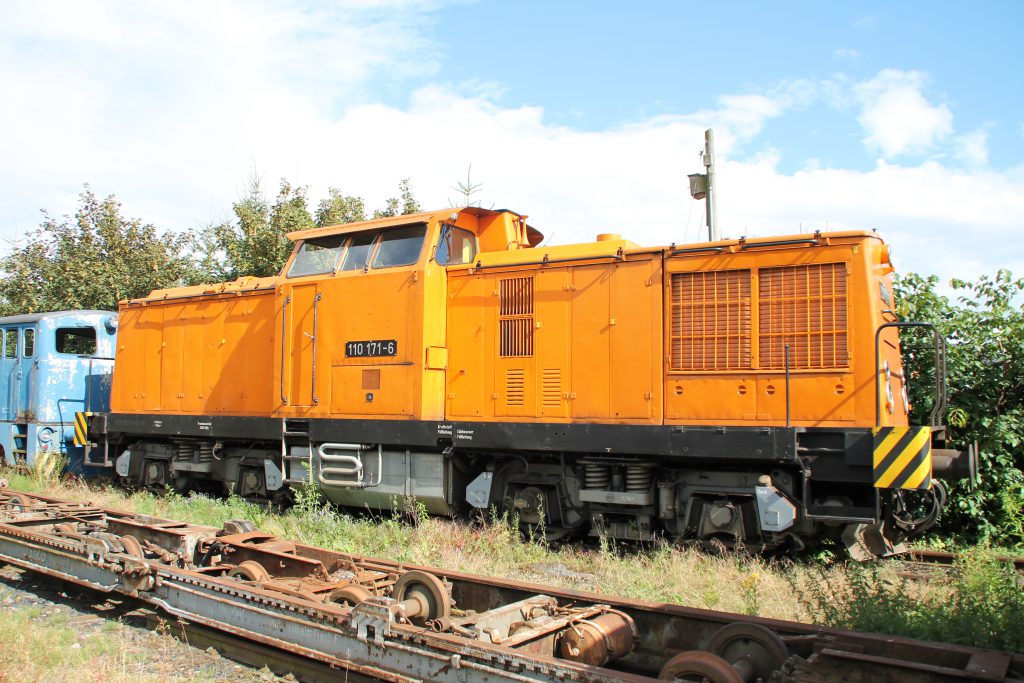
(984, 327)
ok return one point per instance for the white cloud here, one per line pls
(896, 116)
(172, 119)
(845, 53)
(972, 148)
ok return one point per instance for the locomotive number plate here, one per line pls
(371, 348)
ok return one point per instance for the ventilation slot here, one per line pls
(516, 317)
(803, 307)
(515, 387)
(711, 320)
(551, 388)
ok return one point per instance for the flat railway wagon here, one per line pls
(744, 391)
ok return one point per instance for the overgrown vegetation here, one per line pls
(980, 604)
(984, 325)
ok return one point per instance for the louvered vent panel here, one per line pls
(804, 307)
(515, 316)
(515, 387)
(551, 388)
(711, 320)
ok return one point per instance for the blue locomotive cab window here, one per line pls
(76, 341)
(28, 346)
(317, 256)
(455, 246)
(400, 246)
(10, 343)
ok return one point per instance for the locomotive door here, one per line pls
(298, 381)
(24, 376)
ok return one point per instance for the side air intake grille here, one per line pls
(804, 307)
(516, 317)
(711, 320)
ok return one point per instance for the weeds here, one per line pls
(979, 606)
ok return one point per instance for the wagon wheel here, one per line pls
(699, 666)
(352, 594)
(18, 503)
(428, 591)
(759, 646)
(131, 546)
(250, 571)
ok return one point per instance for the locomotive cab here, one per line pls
(53, 366)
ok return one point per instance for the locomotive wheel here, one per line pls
(699, 666)
(131, 546)
(760, 647)
(250, 571)
(427, 590)
(352, 594)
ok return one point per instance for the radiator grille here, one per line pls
(551, 388)
(711, 320)
(516, 317)
(804, 307)
(515, 387)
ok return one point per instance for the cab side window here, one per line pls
(10, 343)
(76, 341)
(358, 250)
(400, 247)
(456, 246)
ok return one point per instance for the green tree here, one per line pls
(984, 327)
(257, 243)
(338, 209)
(403, 204)
(93, 260)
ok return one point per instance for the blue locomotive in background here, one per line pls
(53, 366)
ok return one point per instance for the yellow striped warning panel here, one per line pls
(903, 457)
(82, 428)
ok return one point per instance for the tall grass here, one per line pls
(981, 604)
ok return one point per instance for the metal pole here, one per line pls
(709, 165)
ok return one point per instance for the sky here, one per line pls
(903, 117)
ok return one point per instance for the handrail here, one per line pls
(940, 371)
(316, 302)
(284, 343)
(328, 454)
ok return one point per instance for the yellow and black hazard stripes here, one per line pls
(82, 428)
(903, 457)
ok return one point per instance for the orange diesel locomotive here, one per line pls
(743, 390)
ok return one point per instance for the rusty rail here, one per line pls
(391, 621)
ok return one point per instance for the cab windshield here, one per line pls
(389, 248)
(317, 256)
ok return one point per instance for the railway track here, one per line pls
(377, 619)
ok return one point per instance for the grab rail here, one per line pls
(284, 343)
(328, 454)
(316, 401)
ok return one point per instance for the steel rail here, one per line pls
(394, 621)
